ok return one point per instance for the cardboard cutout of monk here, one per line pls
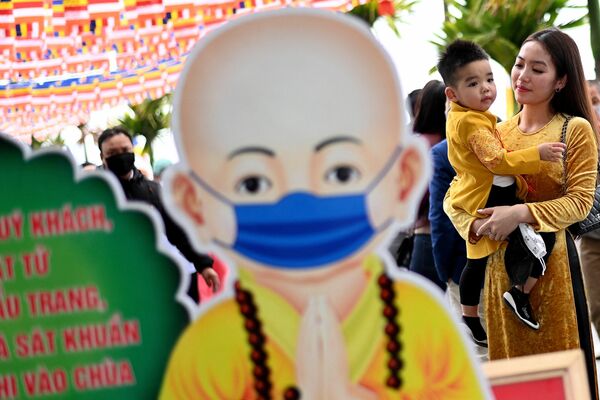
(296, 171)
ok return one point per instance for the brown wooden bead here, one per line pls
(394, 382)
(247, 310)
(391, 329)
(393, 346)
(390, 312)
(291, 393)
(262, 387)
(386, 295)
(395, 364)
(242, 297)
(260, 371)
(258, 356)
(384, 281)
(252, 325)
(256, 339)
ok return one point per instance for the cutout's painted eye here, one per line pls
(253, 185)
(342, 174)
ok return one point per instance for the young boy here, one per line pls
(483, 179)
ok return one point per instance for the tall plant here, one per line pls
(54, 141)
(501, 26)
(148, 119)
(394, 11)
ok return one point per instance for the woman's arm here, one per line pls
(502, 221)
(559, 213)
(581, 172)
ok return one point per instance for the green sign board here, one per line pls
(87, 300)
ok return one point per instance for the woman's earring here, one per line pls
(557, 90)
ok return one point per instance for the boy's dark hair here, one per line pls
(110, 132)
(456, 55)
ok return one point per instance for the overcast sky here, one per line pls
(414, 55)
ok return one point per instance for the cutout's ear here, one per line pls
(413, 171)
(201, 215)
(185, 196)
(450, 94)
(411, 166)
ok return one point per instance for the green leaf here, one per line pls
(149, 119)
(500, 27)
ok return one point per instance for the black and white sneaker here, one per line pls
(476, 331)
(518, 302)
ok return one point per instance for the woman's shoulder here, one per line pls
(579, 130)
(579, 122)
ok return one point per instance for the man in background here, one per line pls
(116, 152)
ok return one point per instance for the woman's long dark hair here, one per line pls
(431, 107)
(573, 99)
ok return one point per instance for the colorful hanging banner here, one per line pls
(62, 59)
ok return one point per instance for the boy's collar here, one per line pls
(457, 107)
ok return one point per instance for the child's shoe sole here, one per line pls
(510, 302)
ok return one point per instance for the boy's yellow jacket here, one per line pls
(476, 152)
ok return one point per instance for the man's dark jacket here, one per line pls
(142, 189)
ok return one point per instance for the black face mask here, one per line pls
(120, 164)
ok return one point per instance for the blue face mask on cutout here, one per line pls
(303, 230)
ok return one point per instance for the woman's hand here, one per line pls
(473, 236)
(503, 220)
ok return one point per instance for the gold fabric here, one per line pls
(552, 297)
(477, 154)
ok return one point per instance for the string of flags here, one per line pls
(62, 59)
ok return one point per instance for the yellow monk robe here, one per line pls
(211, 359)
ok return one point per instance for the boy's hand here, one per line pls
(552, 151)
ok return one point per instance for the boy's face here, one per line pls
(474, 88)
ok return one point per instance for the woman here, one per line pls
(548, 82)
(430, 124)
